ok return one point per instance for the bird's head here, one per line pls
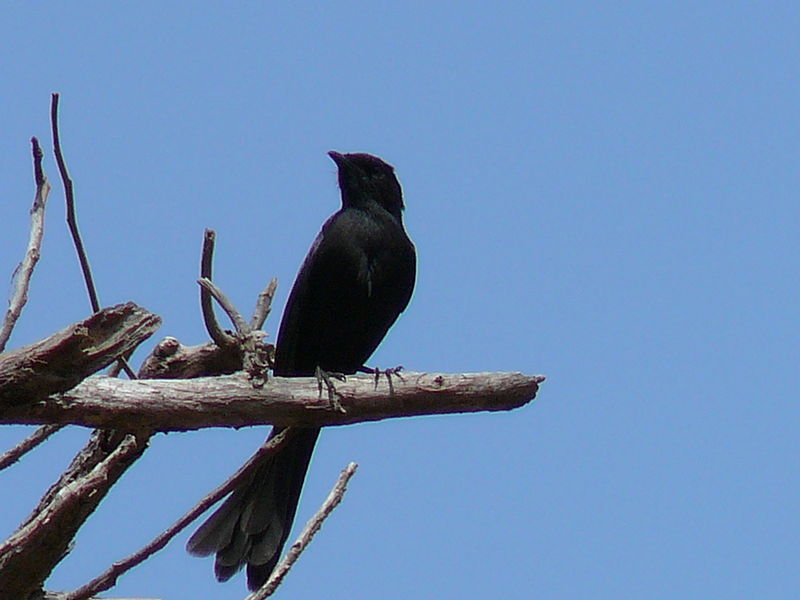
(365, 178)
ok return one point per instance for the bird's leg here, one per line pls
(325, 377)
(394, 371)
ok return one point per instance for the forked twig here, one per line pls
(242, 328)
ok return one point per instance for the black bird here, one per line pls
(355, 281)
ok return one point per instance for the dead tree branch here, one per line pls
(69, 193)
(72, 222)
(233, 314)
(28, 556)
(172, 360)
(232, 401)
(108, 578)
(29, 443)
(219, 335)
(24, 271)
(264, 304)
(309, 531)
(62, 360)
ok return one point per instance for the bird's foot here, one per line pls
(394, 371)
(326, 377)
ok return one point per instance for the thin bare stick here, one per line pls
(312, 527)
(29, 443)
(242, 328)
(72, 221)
(25, 269)
(70, 197)
(62, 596)
(264, 304)
(108, 578)
(220, 337)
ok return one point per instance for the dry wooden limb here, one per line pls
(232, 401)
(172, 360)
(72, 221)
(30, 554)
(29, 443)
(62, 360)
(63, 595)
(108, 578)
(24, 271)
(309, 531)
(264, 304)
(215, 331)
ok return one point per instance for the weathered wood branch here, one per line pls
(64, 595)
(232, 401)
(31, 373)
(61, 361)
(311, 529)
(24, 271)
(108, 578)
(11, 456)
(28, 556)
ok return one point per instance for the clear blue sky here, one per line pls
(604, 194)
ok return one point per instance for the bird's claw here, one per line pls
(325, 377)
(394, 371)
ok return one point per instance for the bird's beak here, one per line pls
(338, 158)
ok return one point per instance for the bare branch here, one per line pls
(232, 401)
(25, 269)
(29, 443)
(309, 531)
(172, 360)
(64, 359)
(72, 221)
(28, 556)
(108, 578)
(62, 595)
(264, 304)
(234, 315)
(220, 337)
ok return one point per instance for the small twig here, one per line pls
(72, 221)
(242, 328)
(26, 267)
(220, 337)
(119, 366)
(108, 578)
(29, 443)
(70, 197)
(312, 527)
(63, 595)
(264, 304)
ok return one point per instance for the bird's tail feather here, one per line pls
(253, 523)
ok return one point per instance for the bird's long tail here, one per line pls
(253, 523)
